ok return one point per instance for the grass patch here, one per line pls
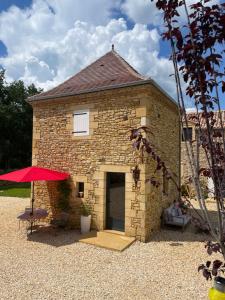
(21, 190)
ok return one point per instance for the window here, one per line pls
(81, 123)
(187, 134)
(80, 189)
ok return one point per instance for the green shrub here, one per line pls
(185, 190)
(64, 189)
(85, 209)
(204, 188)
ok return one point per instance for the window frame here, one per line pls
(80, 189)
(188, 136)
(78, 113)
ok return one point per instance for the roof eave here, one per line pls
(163, 91)
(123, 85)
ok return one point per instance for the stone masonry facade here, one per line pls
(185, 166)
(201, 161)
(200, 158)
(107, 148)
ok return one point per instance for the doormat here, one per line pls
(107, 240)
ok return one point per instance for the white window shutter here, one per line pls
(81, 123)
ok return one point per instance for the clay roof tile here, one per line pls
(108, 71)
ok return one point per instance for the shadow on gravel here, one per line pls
(173, 234)
(54, 237)
(176, 236)
(190, 234)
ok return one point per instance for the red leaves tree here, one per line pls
(197, 53)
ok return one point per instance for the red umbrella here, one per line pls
(32, 174)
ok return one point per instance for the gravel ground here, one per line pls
(53, 265)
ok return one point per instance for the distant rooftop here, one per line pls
(192, 117)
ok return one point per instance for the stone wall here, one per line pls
(163, 121)
(107, 149)
(185, 166)
(201, 161)
(200, 158)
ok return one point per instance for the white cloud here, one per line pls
(92, 11)
(142, 11)
(146, 12)
(49, 20)
(47, 45)
(41, 70)
(191, 110)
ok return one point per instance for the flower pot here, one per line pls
(81, 194)
(85, 223)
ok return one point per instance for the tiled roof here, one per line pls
(110, 70)
(192, 117)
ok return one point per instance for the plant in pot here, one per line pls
(85, 218)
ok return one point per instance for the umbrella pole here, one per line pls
(32, 208)
(32, 204)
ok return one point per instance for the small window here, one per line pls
(81, 123)
(80, 189)
(187, 134)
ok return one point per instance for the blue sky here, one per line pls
(46, 41)
(4, 5)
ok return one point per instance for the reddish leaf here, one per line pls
(223, 86)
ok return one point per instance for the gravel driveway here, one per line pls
(55, 266)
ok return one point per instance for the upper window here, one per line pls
(187, 134)
(81, 122)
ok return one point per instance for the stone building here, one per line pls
(192, 133)
(83, 127)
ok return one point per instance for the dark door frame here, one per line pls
(113, 218)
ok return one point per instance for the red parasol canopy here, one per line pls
(33, 174)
